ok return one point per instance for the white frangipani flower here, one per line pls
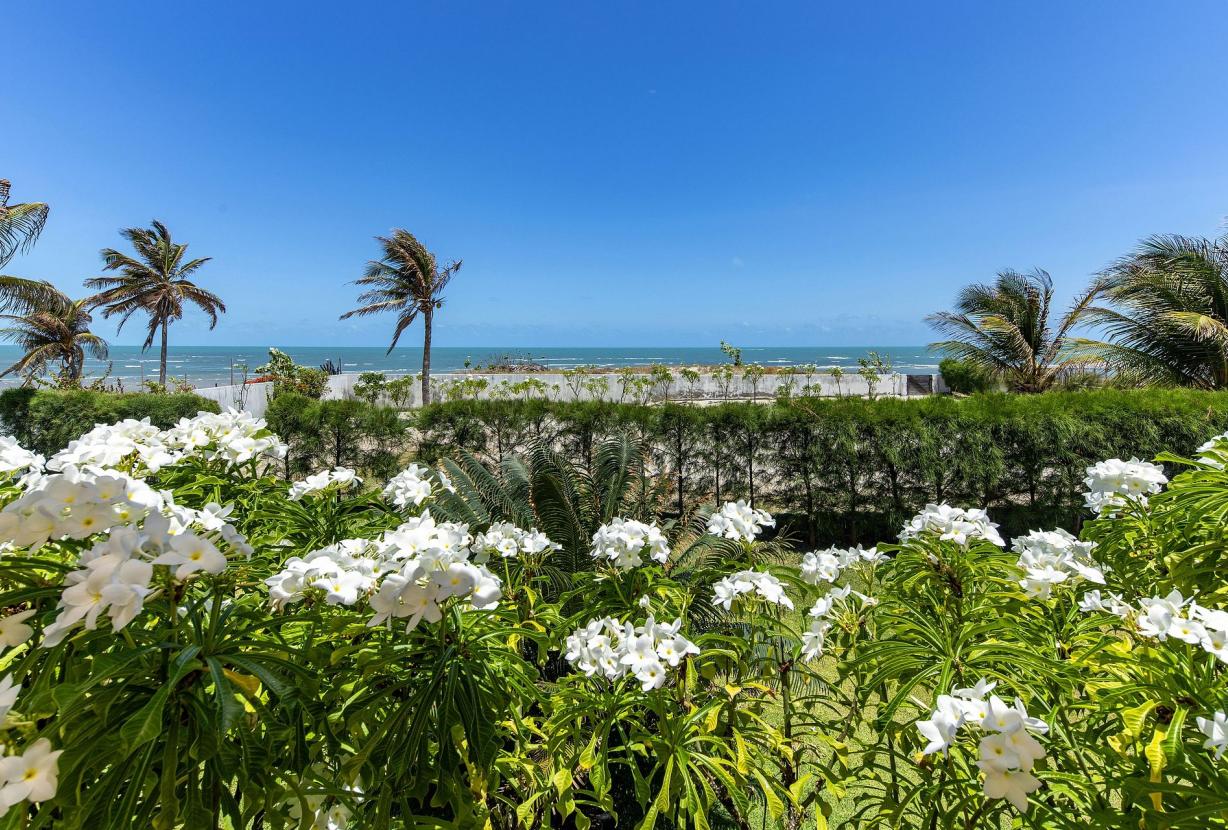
(624, 543)
(738, 520)
(766, 586)
(1110, 483)
(956, 524)
(613, 649)
(31, 776)
(1216, 730)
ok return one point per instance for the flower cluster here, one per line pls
(1172, 616)
(1050, 557)
(411, 486)
(765, 585)
(827, 565)
(76, 503)
(1109, 483)
(1007, 750)
(738, 520)
(231, 436)
(339, 478)
(956, 524)
(624, 542)
(505, 540)
(408, 573)
(614, 649)
(814, 638)
(1214, 452)
(16, 459)
(115, 574)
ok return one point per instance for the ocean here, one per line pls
(221, 365)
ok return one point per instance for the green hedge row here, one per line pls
(45, 420)
(852, 470)
(338, 433)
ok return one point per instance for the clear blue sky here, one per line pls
(616, 173)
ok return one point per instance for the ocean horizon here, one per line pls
(220, 365)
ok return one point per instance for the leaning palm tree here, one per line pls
(408, 281)
(1167, 320)
(20, 224)
(1004, 329)
(57, 330)
(154, 282)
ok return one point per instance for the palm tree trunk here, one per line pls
(426, 356)
(162, 363)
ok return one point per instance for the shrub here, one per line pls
(45, 420)
(289, 377)
(191, 641)
(337, 433)
(848, 469)
(966, 378)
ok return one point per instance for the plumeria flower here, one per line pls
(1216, 730)
(31, 776)
(942, 727)
(1013, 785)
(1109, 483)
(13, 628)
(8, 695)
(956, 524)
(190, 553)
(738, 520)
(764, 585)
(624, 542)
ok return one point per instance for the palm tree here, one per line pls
(20, 224)
(406, 280)
(57, 329)
(1004, 329)
(154, 282)
(1169, 323)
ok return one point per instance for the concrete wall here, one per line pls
(254, 397)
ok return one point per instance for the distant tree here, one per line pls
(1004, 329)
(1168, 320)
(57, 330)
(154, 282)
(20, 224)
(407, 280)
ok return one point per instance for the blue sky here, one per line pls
(617, 173)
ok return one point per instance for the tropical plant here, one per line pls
(407, 280)
(20, 224)
(1167, 321)
(1005, 329)
(155, 282)
(55, 330)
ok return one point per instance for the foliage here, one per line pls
(1168, 318)
(156, 283)
(337, 433)
(190, 641)
(45, 420)
(290, 378)
(1004, 328)
(965, 377)
(732, 352)
(49, 328)
(850, 470)
(408, 281)
(20, 224)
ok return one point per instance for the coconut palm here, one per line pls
(56, 330)
(408, 281)
(155, 281)
(20, 224)
(1168, 315)
(1004, 329)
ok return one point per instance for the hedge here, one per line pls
(45, 420)
(853, 470)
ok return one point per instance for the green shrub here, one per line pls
(852, 470)
(45, 420)
(337, 433)
(964, 377)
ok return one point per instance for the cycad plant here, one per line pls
(406, 280)
(1004, 328)
(56, 329)
(1167, 321)
(155, 282)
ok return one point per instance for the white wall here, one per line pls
(254, 397)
